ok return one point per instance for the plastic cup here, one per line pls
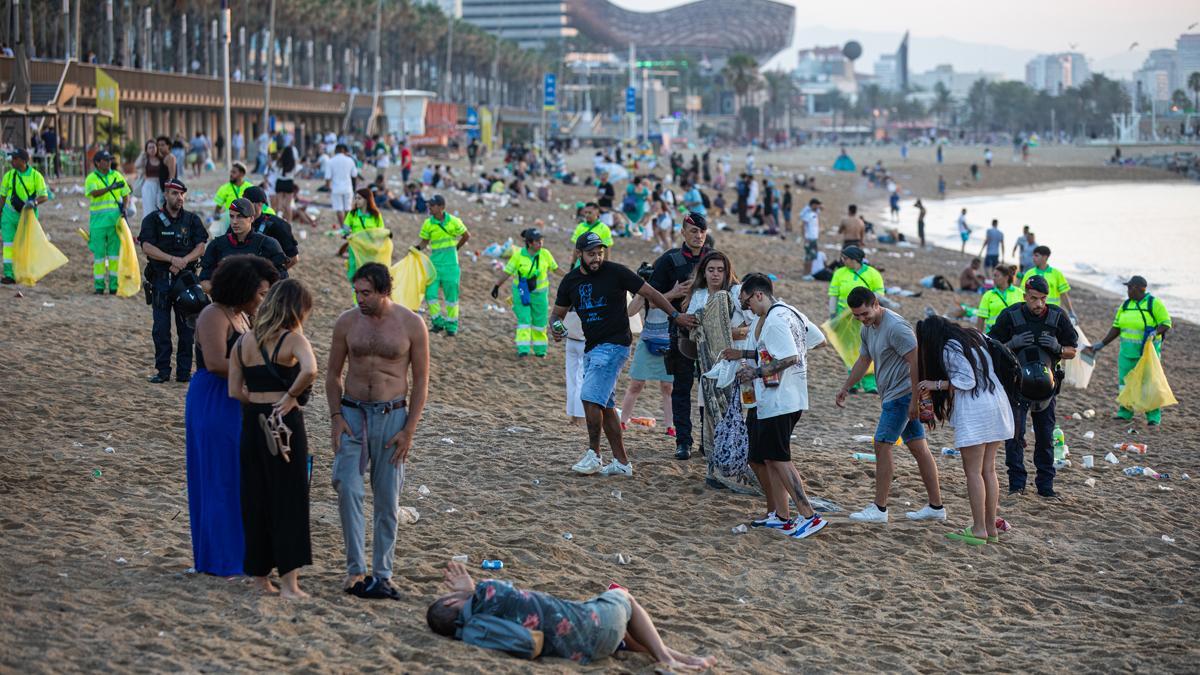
(1088, 461)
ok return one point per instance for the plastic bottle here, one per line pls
(492, 564)
(951, 452)
(864, 456)
(1133, 471)
(925, 409)
(1060, 444)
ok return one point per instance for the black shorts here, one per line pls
(285, 186)
(771, 438)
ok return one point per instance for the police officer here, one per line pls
(268, 223)
(173, 240)
(241, 239)
(1141, 317)
(672, 276)
(1041, 336)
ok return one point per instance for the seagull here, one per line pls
(1072, 45)
(1193, 25)
(1132, 46)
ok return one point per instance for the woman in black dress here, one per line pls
(271, 373)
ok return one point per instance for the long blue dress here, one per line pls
(214, 422)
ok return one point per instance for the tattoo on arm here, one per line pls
(779, 365)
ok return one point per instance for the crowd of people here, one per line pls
(983, 371)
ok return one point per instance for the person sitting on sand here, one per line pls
(495, 614)
(971, 279)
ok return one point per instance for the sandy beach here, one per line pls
(95, 547)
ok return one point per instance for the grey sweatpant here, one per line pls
(372, 425)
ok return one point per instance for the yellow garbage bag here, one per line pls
(1146, 385)
(1077, 373)
(844, 334)
(33, 255)
(129, 271)
(372, 245)
(410, 276)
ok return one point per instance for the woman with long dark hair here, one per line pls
(211, 416)
(271, 373)
(957, 373)
(365, 215)
(288, 163)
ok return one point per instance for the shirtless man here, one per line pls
(371, 421)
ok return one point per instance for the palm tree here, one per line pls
(1193, 83)
(942, 103)
(741, 73)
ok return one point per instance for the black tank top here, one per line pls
(229, 343)
(272, 376)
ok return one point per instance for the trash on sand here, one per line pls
(623, 559)
(461, 559)
(519, 430)
(741, 529)
(96, 473)
(47, 304)
(109, 450)
(122, 561)
(616, 493)
(862, 439)
(1091, 482)
(423, 491)
(449, 441)
(1090, 435)
(1111, 459)
(818, 442)
(409, 515)
(568, 536)
(1089, 413)
(1169, 540)
(864, 456)
(1076, 416)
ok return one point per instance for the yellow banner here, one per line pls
(485, 127)
(108, 97)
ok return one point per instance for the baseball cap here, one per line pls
(174, 184)
(1137, 280)
(437, 199)
(255, 194)
(531, 234)
(241, 207)
(1038, 283)
(854, 253)
(19, 153)
(588, 241)
(814, 202)
(101, 155)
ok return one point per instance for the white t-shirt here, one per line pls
(818, 263)
(963, 228)
(785, 335)
(752, 196)
(740, 317)
(812, 223)
(341, 170)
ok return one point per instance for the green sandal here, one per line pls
(993, 539)
(965, 535)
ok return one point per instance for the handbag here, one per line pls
(657, 338)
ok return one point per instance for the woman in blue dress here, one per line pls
(213, 419)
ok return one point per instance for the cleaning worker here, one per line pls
(1142, 317)
(531, 268)
(1055, 279)
(997, 299)
(234, 189)
(364, 216)
(22, 187)
(110, 198)
(445, 234)
(853, 273)
(591, 223)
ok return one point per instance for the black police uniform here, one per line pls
(278, 229)
(1014, 320)
(678, 264)
(177, 237)
(255, 244)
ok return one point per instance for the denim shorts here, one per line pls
(613, 612)
(894, 422)
(601, 368)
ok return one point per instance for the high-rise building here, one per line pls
(819, 73)
(1187, 54)
(1056, 73)
(529, 23)
(452, 8)
(1158, 77)
(958, 84)
(891, 70)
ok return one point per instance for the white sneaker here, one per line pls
(806, 527)
(588, 464)
(616, 468)
(871, 514)
(771, 520)
(927, 513)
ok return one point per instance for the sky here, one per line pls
(1099, 28)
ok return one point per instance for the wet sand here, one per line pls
(93, 574)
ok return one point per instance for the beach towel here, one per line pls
(129, 273)
(33, 255)
(410, 277)
(1146, 386)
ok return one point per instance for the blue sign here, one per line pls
(472, 123)
(630, 100)
(550, 88)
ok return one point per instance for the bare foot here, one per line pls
(293, 593)
(692, 659)
(352, 579)
(264, 584)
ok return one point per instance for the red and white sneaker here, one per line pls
(671, 432)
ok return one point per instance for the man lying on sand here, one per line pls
(496, 615)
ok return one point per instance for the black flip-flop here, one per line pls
(379, 589)
(356, 589)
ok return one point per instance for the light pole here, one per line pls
(378, 63)
(66, 22)
(270, 52)
(226, 38)
(108, 18)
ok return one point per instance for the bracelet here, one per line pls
(748, 354)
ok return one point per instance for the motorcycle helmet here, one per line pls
(1037, 381)
(187, 297)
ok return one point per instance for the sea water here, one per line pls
(1098, 234)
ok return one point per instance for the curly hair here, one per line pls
(236, 280)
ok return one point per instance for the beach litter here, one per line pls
(862, 439)
(863, 456)
(741, 529)
(1111, 459)
(1089, 413)
(1090, 435)
(122, 561)
(1076, 416)
(617, 494)
(461, 559)
(96, 473)
(448, 441)
(109, 450)
(1091, 482)
(1169, 540)
(423, 491)
(568, 536)
(409, 515)
(623, 559)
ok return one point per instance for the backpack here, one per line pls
(1008, 369)
(629, 204)
(704, 199)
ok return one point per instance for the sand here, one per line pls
(94, 570)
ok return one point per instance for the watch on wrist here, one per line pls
(674, 314)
